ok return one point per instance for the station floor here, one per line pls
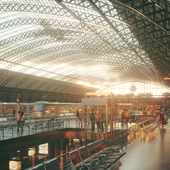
(145, 154)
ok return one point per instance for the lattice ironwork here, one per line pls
(88, 43)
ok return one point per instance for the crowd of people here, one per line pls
(98, 118)
(125, 117)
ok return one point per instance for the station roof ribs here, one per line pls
(73, 46)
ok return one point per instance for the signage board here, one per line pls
(31, 152)
(43, 149)
(94, 101)
(14, 165)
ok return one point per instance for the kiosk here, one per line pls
(97, 113)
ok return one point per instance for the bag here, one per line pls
(160, 122)
(77, 114)
(130, 121)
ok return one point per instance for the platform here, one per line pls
(145, 154)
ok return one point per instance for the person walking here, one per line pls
(22, 121)
(162, 118)
(127, 117)
(18, 118)
(103, 117)
(122, 117)
(14, 112)
(77, 117)
(97, 116)
(92, 119)
(80, 117)
(52, 119)
(52, 116)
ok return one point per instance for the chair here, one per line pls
(93, 152)
(76, 161)
(84, 155)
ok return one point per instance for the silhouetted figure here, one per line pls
(103, 117)
(162, 118)
(18, 118)
(92, 119)
(14, 112)
(52, 116)
(22, 121)
(122, 117)
(127, 117)
(97, 116)
(80, 117)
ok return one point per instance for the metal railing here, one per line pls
(119, 140)
(9, 128)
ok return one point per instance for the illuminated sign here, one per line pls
(94, 101)
(43, 149)
(31, 152)
(14, 165)
(124, 104)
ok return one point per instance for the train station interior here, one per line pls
(84, 84)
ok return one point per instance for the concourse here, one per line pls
(84, 84)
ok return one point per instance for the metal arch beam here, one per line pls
(119, 1)
(44, 70)
(20, 77)
(112, 26)
(162, 48)
(82, 22)
(167, 77)
(27, 83)
(138, 15)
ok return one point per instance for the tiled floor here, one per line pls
(145, 154)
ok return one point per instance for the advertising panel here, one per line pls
(31, 151)
(14, 165)
(43, 149)
(94, 101)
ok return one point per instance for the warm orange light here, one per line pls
(158, 6)
(14, 165)
(43, 149)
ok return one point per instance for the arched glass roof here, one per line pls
(94, 43)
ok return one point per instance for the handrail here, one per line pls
(110, 138)
(9, 130)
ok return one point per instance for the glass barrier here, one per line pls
(9, 128)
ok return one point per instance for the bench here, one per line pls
(94, 156)
(147, 128)
(52, 164)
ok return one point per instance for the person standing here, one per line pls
(127, 117)
(97, 116)
(52, 116)
(103, 117)
(14, 112)
(122, 117)
(162, 118)
(18, 118)
(22, 121)
(80, 117)
(92, 119)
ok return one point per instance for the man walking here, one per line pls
(92, 119)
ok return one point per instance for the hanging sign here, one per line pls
(94, 101)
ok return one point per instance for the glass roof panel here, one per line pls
(72, 43)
